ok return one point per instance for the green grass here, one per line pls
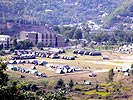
(126, 88)
(104, 85)
(100, 93)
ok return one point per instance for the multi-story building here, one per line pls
(47, 38)
(5, 40)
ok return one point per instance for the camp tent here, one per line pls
(105, 57)
(34, 72)
(14, 68)
(59, 71)
(12, 62)
(43, 63)
(95, 53)
(9, 66)
(77, 69)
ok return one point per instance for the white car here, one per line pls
(92, 74)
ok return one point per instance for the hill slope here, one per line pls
(56, 11)
(122, 17)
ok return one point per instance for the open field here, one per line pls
(96, 64)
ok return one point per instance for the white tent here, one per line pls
(59, 71)
(9, 66)
(34, 71)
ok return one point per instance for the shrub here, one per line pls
(44, 83)
(77, 89)
(39, 92)
(60, 84)
(71, 84)
(33, 87)
(110, 75)
(28, 86)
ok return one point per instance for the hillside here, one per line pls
(122, 17)
(56, 11)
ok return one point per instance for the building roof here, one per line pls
(29, 32)
(4, 36)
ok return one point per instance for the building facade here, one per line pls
(5, 41)
(47, 38)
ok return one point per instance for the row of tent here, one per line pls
(32, 71)
(32, 61)
(38, 53)
(67, 69)
(87, 52)
(60, 69)
(57, 50)
(68, 57)
(23, 56)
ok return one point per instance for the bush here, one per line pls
(110, 75)
(39, 92)
(60, 84)
(28, 86)
(71, 84)
(77, 89)
(44, 83)
(33, 87)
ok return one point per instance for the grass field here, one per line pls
(94, 62)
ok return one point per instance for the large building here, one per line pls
(5, 40)
(48, 38)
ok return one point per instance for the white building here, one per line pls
(5, 40)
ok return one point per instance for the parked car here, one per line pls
(92, 74)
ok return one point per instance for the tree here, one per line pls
(26, 44)
(1, 46)
(11, 92)
(3, 76)
(77, 34)
(110, 75)
(132, 69)
(40, 45)
(58, 95)
(97, 87)
(60, 84)
(14, 43)
(71, 84)
(39, 92)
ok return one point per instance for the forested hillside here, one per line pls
(122, 17)
(56, 11)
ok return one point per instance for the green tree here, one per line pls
(11, 92)
(71, 84)
(40, 45)
(39, 92)
(1, 46)
(14, 43)
(132, 69)
(110, 75)
(26, 44)
(57, 95)
(77, 34)
(97, 86)
(3, 76)
(60, 84)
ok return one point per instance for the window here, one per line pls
(42, 37)
(46, 36)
